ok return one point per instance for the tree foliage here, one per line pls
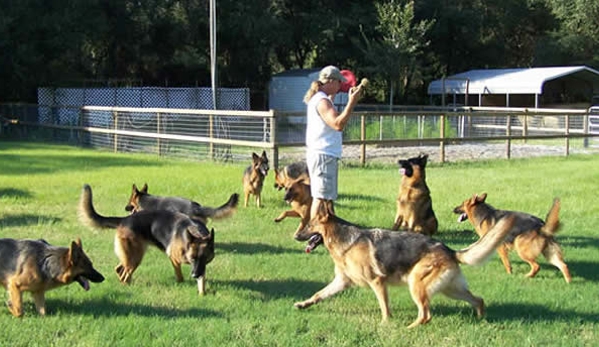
(400, 44)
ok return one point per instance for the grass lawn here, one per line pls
(260, 271)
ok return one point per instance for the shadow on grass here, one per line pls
(277, 289)
(13, 164)
(253, 248)
(106, 308)
(583, 269)
(15, 193)
(578, 241)
(27, 219)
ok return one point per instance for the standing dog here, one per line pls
(414, 205)
(290, 173)
(253, 178)
(377, 258)
(140, 200)
(298, 196)
(35, 266)
(529, 236)
(184, 240)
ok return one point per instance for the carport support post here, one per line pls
(115, 117)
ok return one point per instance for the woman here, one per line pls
(324, 134)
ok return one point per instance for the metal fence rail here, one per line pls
(232, 135)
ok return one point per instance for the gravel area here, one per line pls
(453, 153)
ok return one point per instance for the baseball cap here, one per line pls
(330, 73)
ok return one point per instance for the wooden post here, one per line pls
(585, 129)
(158, 142)
(362, 139)
(442, 136)
(525, 125)
(567, 127)
(508, 132)
(273, 136)
(115, 117)
(211, 136)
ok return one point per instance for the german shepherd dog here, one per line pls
(253, 178)
(140, 200)
(298, 196)
(414, 205)
(377, 258)
(36, 266)
(290, 173)
(184, 240)
(530, 236)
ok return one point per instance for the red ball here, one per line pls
(351, 81)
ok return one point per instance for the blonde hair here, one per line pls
(314, 88)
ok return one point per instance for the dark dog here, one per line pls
(291, 173)
(140, 200)
(298, 196)
(253, 178)
(184, 240)
(36, 267)
(529, 236)
(377, 258)
(414, 205)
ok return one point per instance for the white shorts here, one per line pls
(323, 171)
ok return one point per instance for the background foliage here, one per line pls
(400, 44)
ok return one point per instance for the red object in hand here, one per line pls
(351, 81)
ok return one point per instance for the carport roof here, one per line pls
(510, 81)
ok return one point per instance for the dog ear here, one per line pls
(255, 157)
(75, 251)
(144, 189)
(482, 197)
(264, 155)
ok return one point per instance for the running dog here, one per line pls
(140, 200)
(529, 236)
(290, 173)
(184, 240)
(414, 205)
(253, 178)
(36, 266)
(297, 195)
(377, 258)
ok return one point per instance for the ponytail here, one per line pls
(314, 88)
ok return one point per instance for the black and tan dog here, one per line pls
(140, 200)
(184, 240)
(377, 258)
(298, 196)
(414, 204)
(36, 266)
(291, 173)
(253, 178)
(530, 236)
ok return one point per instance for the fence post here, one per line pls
(508, 132)
(273, 138)
(158, 142)
(362, 139)
(525, 125)
(115, 117)
(211, 136)
(442, 136)
(585, 125)
(567, 129)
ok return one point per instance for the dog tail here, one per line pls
(480, 251)
(223, 211)
(552, 223)
(89, 216)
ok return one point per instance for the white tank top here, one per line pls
(321, 138)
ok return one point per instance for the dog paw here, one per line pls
(302, 304)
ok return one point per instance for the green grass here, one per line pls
(260, 271)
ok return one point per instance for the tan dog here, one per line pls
(290, 173)
(414, 204)
(377, 258)
(297, 195)
(36, 266)
(253, 178)
(529, 236)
